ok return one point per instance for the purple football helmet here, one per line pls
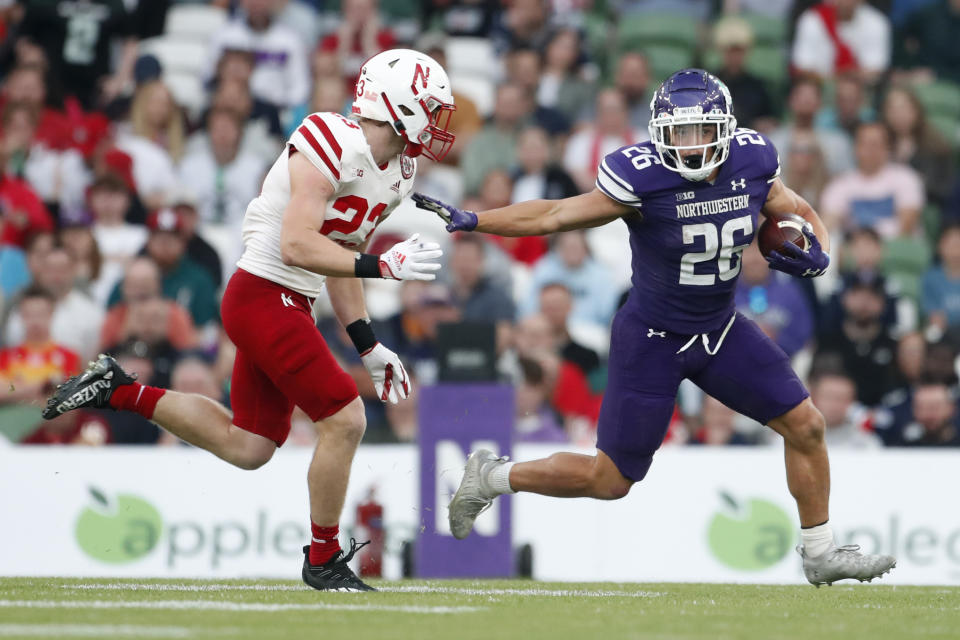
(692, 123)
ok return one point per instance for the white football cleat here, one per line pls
(842, 563)
(474, 496)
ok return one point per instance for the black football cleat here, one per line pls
(92, 388)
(335, 575)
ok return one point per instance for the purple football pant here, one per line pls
(749, 373)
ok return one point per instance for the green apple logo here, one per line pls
(118, 531)
(750, 536)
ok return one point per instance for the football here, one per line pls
(775, 231)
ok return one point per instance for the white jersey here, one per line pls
(365, 194)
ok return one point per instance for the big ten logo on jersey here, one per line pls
(354, 209)
(450, 457)
(641, 157)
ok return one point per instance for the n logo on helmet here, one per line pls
(422, 75)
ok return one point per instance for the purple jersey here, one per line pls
(687, 241)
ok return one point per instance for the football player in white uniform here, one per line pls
(336, 179)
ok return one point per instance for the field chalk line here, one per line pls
(532, 593)
(93, 630)
(216, 605)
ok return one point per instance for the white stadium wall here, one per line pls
(720, 515)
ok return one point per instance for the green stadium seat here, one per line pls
(948, 126)
(639, 32)
(940, 98)
(400, 8)
(904, 262)
(767, 30)
(930, 219)
(665, 59)
(769, 63)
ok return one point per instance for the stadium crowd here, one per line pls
(134, 134)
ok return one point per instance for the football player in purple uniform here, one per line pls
(690, 199)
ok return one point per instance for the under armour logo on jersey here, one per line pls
(287, 300)
(738, 184)
(395, 186)
(812, 273)
(659, 334)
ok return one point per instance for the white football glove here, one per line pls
(411, 260)
(389, 377)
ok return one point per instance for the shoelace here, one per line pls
(354, 547)
(849, 548)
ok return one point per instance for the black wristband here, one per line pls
(366, 265)
(361, 334)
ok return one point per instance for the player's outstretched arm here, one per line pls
(531, 218)
(302, 245)
(791, 259)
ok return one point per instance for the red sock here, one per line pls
(138, 398)
(324, 543)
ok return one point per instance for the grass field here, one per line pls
(465, 610)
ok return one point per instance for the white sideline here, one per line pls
(477, 591)
(93, 630)
(216, 605)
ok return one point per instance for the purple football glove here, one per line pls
(795, 261)
(456, 219)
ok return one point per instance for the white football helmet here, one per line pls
(411, 91)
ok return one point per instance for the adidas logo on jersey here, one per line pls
(395, 186)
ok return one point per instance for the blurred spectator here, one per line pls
(467, 18)
(76, 40)
(184, 203)
(495, 193)
(717, 425)
(183, 279)
(569, 263)
(805, 166)
(25, 84)
(556, 304)
(850, 107)
(22, 211)
(82, 244)
(493, 147)
(280, 75)
(535, 420)
(149, 325)
(31, 368)
(926, 44)
(14, 272)
(834, 395)
(360, 36)
(632, 80)
(155, 116)
(775, 303)
(301, 16)
(525, 23)
(260, 119)
(58, 177)
(76, 317)
(842, 36)
(195, 375)
(941, 284)
(879, 193)
(432, 307)
(894, 410)
(223, 176)
(934, 422)
(733, 38)
(804, 102)
(142, 282)
(610, 131)
(473, 292)
(84, 428)
(562, 83)
(524, 67)
(861, 346)
(117, 241)
(917, 144)
(537, 176)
